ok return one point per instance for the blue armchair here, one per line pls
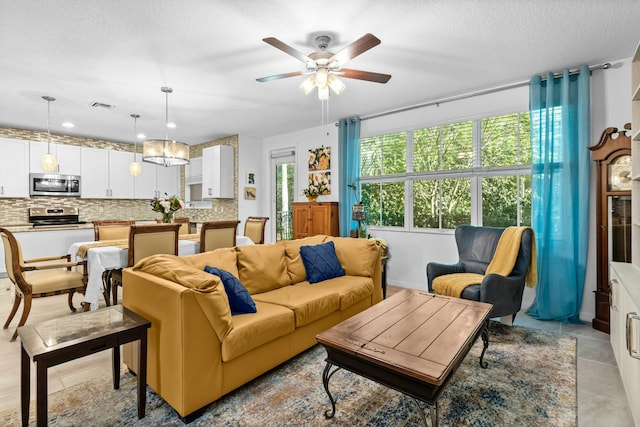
(476, 247)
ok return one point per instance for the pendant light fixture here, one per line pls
(165, 152)
(48, 161)
(134, 168)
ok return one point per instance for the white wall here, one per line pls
(301, 142)
(411, 251)
(250, 160)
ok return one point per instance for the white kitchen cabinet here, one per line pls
(625, 333)
(67, 156)
(156, 180)
(217, 172)
(105, 174)
(14, 168)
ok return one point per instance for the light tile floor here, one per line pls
(601, 398)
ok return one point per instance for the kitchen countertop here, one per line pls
(25, 228)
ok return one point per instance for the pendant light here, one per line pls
(48, 161)
(165, 152)
(134, 168)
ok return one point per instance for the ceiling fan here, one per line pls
(323, 66)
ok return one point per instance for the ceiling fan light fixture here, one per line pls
(336, 84)
(323, 93)
(165, 152)
(309, 84)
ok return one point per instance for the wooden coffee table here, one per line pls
(412, 342)
(71, 337)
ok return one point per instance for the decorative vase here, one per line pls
(312, 198)
(167, 217)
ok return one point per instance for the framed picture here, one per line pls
(251, 178)
(320, 159)
(250, 193)
(321, 181)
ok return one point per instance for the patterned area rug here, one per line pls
(530, 381)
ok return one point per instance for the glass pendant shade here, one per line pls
(336, 84)
(164, 152)
(135, 169)
(48, 162)
(323, 93)
(309, 84)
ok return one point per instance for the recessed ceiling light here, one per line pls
(68, 125)
(171, 125)
(141, 136)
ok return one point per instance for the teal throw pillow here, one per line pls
(240, 299)
(321, 262)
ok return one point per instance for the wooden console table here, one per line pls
(71, 337)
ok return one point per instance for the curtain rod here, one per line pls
(603, 66)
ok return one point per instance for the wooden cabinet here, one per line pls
(218, 172)
(310, 219)
(14, 168)
(68, 157)
(625, 330)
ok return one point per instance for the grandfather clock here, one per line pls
(612, 155)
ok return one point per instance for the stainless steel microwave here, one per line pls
(51, 184)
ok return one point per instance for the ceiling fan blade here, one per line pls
(363, 75)
(287, 49)
(359, 46)
(280, 76)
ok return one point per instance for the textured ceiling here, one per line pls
(120, 52)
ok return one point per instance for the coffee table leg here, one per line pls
(115, 367)
(326, 376)
(485, 341)
(433, 413)
(25, 385)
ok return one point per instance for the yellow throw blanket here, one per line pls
(503, 262)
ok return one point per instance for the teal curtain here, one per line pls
(349, 169)
(560, 123)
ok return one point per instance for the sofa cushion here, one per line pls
(262, 267)
(223, 258)
(320, 262)
(295, 266)
(357, 256)
(351, 289)
(253, 330)
(239, 299)
(308, 302)
(207, 287)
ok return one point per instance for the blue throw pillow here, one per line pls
(239, 298)
(321, 262)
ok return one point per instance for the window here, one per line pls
(472, 172)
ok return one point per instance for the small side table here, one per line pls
(71, 337)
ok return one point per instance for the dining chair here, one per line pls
(39, 277)
(146, 240)
(184, 222)
(111, 229)
(218, 234)
(254, 228)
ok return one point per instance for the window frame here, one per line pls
(476, 173)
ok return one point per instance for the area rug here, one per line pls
(530, 381)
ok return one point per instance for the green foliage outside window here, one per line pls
(446, 172)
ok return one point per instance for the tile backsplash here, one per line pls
(14, 211)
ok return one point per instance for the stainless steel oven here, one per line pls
(50, 184)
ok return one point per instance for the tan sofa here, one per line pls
(198, 351)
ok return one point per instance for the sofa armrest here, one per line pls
(505, 293)
(180, 336)
(435, 269)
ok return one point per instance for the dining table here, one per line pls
(105, 255)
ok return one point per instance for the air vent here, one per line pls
(102, 105)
